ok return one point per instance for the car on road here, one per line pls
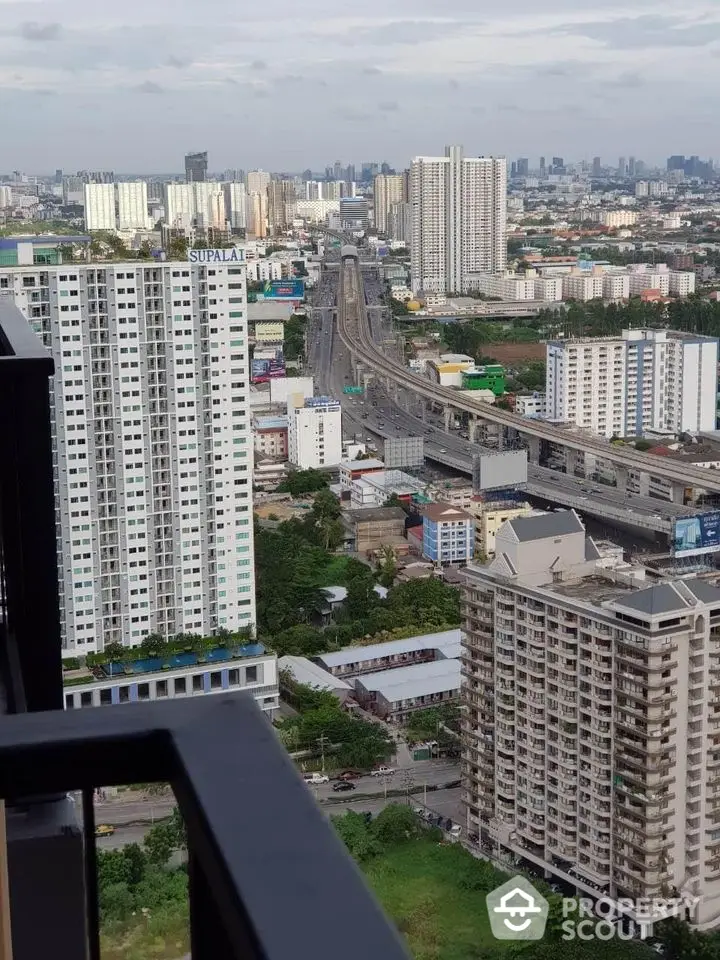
(383, 772)
(343, 785)
(455, 830)
(443, 450)
(316, 778)
(104, 830)
(349, 775)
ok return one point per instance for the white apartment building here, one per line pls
(616, 286)
(6, 197)
(682, 283)
(387, 190)
(659, 380)
(317, 211)
(152, 442)
(582, 285)
(257, 214)
(590, 720)
(647, 278)
(267, 270)
(236, 205)
(99, 206)
(132, 200)
(615, 218)
(315, 434)
(179, 206)
(459, 220)
(548, 288)
(513, 287)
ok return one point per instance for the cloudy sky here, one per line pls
(132, 86)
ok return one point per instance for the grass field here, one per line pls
(417, 883)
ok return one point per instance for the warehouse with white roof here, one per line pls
(356, 661)
(394, 694)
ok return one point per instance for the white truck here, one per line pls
(383, 772)
(315, 778)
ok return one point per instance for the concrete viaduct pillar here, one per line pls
(574, 463)
(533, 449)
(677, 493)
(447, 416)
(621, 475)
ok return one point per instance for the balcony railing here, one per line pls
(264, 866)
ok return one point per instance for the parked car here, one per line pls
(315, 778)
(383, 772)
(342, 785)
(349, 775)
(104, 830)
(455, 830)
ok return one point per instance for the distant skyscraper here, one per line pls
(459, 219)
(542, 166)
(257, 181)
(281, 204)
(58, 176)
(151, 539)
(132, 205)
(196, 165)
(676, 163)
(523, 167)
(622, 166)
(236, 205)
(387, 191)
(597, 167)
(99, 206)
(631, 167)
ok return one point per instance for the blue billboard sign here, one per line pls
(693, 536)
(284, 290)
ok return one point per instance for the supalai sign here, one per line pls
(230, 255)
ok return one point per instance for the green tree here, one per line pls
(153, 645)
(325, 518)
(135, 859)
(116, 901)
(299, 482)
(387, 566)
(115, 650)
(354, 831)
(177, 248)
(396, 824)
(158, 845)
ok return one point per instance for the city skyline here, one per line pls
(90, 82)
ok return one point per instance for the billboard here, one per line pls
(402, 452)
(499, 471)
(267, 365)
(284, 289)
(693, 536)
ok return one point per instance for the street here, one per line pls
(446, 803)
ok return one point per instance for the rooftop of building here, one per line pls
(376, 515)
(445, 512)
(311, 674)
(448, 640)
(370, 464)
(270, 423)
(417, 680)
(544, 526)
(54, 239)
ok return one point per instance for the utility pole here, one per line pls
(321, 740)
(408, 783)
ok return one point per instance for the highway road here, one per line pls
(378, 416)
(354, 331)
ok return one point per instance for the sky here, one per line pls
(132, 86)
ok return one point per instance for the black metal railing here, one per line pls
(30, 644)
(269, 879)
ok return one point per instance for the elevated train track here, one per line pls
(354, 331)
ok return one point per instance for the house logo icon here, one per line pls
(517, 911)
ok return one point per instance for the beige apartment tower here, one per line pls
(592, 725)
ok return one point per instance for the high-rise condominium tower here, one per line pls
(152, 443)
(459, 219)
(388, 189)
(99, 201)
(591, 729)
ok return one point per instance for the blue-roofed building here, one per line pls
(26, 251)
